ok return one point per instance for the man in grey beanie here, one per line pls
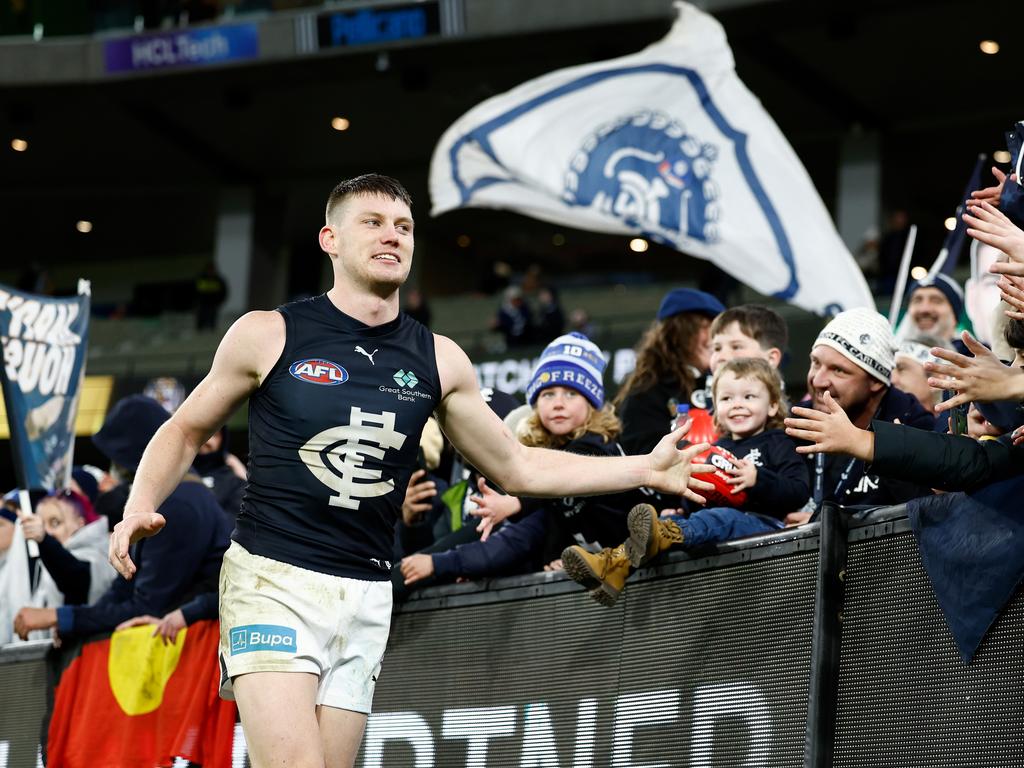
(851, 365)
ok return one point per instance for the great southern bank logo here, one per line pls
(262, 637)
(317, 371)
(646, 170)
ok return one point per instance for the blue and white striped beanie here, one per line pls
(572, 361)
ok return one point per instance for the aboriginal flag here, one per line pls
(130, 700)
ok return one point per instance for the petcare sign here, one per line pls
(44, 345)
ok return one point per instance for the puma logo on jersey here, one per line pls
(369, 355)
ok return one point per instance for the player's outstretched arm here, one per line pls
(489, 446)
(246, 354)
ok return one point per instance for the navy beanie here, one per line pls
(572, 361)
(128, 428)
(689, 300)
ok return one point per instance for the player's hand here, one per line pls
(32, 526)
(982, 378)
(416, 568)
(744, 475)
(672, 469)
(30, 619)
(830, 431)
(492, 508)
(132, 527)
(416, 503)
(989, 225)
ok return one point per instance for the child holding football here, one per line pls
(759, 480)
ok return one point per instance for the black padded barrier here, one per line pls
(906, 698)
(22, 703)
(702, 663)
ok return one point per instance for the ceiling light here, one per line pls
(950, 223)
(19, 145)
(919, 273)
(558, 239)
(340, 124)
(990, 47)
(638, 245)
(1001, 156)
(463, 241)
(84, 226)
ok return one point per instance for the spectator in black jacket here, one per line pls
(211, 465)
(671, 362)
(179, 568)
(567, 394)
(851, 366)
(760, 479)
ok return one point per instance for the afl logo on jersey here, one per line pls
(317, 371)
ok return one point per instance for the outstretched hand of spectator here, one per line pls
(982, 378)
(1011, 290)
(132, 527)
(989, 225)
(29, 619)
(492, 508)
(416, 568)
(417, 497)
(830, 431)
(672, 470)
(993, 193)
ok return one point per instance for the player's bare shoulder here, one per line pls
(453, 366)
(253, 344)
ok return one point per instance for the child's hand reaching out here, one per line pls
(744, 475)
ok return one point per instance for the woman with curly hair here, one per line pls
(672, 360)
(569, 414)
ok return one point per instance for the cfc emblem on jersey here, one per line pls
(316, 371)
(336, 457)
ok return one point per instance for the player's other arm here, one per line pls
(489, 446)
(246, 354)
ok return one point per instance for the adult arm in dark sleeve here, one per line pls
(168, 564)
(202, 606)
(71, 575)
(950, 462)
(785, 487)
(513, 547)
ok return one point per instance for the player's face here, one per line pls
(730, 343)
(562, 410)
(849, 384)
(931, 312)
(743, 406)
(59, 519)
(373, 238)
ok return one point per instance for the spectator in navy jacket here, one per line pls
(179, 568)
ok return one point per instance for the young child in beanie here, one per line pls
(760, 479)
(566, 392)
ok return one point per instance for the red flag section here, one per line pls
(132, 701)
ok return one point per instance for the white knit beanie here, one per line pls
(865, 338)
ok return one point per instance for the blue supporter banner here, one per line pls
(44, 342)
(191, 48)
(373, 26)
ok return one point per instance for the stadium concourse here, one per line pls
(793, 235)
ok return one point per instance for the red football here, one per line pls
(723, 495)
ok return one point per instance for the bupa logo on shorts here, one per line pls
(262, 637)
(317, 371)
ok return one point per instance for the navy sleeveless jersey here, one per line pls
(334, 432)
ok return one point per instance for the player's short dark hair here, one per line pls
(764, 325)
(1015, 333)
(367, 184)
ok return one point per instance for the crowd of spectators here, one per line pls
(870, 428)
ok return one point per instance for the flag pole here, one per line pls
(901, 276)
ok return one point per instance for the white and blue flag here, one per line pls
(667, 143)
